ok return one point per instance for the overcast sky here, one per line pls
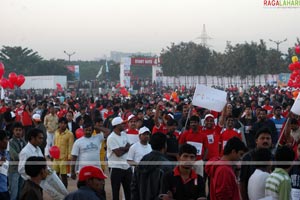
(93, 28)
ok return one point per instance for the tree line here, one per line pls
(190, 59)
(183, 59)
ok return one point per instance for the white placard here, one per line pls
(296, 106)
(209, 98)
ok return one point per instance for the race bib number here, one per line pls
(295, 193)
(198, 146)
(210, 139)
(4, 168)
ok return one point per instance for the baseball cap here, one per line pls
(130, 117)
(208, 115)
(36, 117)
(116, 121)
(90, 172)
(143, 130)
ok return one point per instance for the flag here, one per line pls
(106, 67)
(100, 72)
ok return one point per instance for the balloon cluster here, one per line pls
(294, 80)
(13, 79)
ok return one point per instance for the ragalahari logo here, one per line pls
(281, 3)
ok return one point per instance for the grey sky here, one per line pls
(93, 28)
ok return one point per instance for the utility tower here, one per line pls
(204, 37)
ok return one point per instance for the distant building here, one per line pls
(117, 55)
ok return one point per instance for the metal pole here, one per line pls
(69, 55)
(278, 42)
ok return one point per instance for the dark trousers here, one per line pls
(4, 196)
(118, 177)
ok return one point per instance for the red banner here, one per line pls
(144, 61)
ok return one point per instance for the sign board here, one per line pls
(74, 69)
(296, 106)
(209, 98)
(144, 61)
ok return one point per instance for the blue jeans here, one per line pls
(15, 182)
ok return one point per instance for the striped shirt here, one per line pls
(278, 124)
(278, 185)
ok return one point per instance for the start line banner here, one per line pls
(209, 98)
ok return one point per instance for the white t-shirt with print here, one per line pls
(87, 150)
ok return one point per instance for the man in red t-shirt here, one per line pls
(228, 133)
(194, 137)
(18, 111)
(3, 107)
(211, 132)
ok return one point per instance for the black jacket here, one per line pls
(148, 177)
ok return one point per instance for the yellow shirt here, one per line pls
(51, 123)
(64, 141)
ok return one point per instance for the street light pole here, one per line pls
(278, 42)
(69, 55)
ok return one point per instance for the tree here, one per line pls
(19, 60)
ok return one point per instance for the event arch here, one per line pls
(149, 65)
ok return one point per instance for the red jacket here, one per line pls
(223, 182)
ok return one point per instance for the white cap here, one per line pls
(208, 115)
(130, 117)
(36, 117)
(116, 121)
(143, 130)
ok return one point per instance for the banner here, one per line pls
(74, 69)
(54, 187)
(283, 79)
(296, 106)
(209, 98)
(144, 61)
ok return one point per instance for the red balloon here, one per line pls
(20, 80)
(13, 77)
(292, 67)
(10, 84)
(79, 133)
(4, 83)
(54, 152)
(297, 65)
(1, 69)
(297, 49)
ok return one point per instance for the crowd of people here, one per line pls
(154, 145)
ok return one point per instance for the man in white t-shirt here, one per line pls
(35, 139)
(117, 148)
(139, 149)
(257, 181)
(86, 149)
